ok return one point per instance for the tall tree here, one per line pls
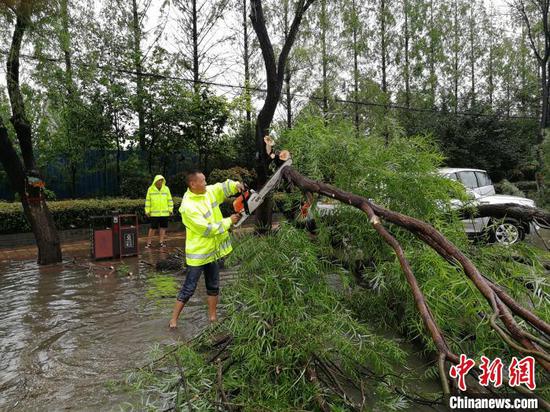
(275, 70)
(356, 35)
(138, 68)
(535, 15)
(24, 177)
(198, 39)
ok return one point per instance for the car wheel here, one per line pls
(507, 232)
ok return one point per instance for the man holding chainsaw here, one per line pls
(207, 238)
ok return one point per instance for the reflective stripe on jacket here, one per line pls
(159, 203)
(206, 230)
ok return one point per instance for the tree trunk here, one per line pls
(455, 57)
(36, 212)
(383, 50)
(324, 57)
(407, 65)
(66, 46)
(287, 72)
(490, 80)
(275, 75)
(118, 154)
(195, 37)
(139, 75)
(544, 89)
(472, 57)
(432, 57)
(355, 70)
(73, 169)
(520, 213)
(65, 42)
(246, 67)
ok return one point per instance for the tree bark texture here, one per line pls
(275, 71)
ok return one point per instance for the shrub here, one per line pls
(526, 185)
(71, 214)
(508, 188)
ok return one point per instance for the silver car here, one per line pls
(480, 187)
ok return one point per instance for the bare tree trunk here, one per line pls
(383, 46)
(472, 57)
(432, 56)
(246, 67)
(139, 75)
(36, 210)
(490, 80)
(455, 56)
(544, 92)
(324, 57)
(407, 64)
(355, 71)
(195, 37)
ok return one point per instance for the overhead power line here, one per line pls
(263, 90)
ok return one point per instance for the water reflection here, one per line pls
(65, 331)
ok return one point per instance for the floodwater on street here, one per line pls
(67, 331)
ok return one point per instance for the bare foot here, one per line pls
(173, 324)
(213, 320)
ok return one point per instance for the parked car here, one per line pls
(480, 187)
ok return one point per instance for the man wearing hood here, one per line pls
(206, 238)
(158, 206)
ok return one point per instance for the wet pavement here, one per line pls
(67, 331)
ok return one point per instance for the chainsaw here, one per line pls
(249, 200)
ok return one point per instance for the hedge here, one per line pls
(72, 214)
(75, 214)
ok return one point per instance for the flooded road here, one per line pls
(67, 331)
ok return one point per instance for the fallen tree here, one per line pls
(278, 349)
(503, 305)
(509, 210)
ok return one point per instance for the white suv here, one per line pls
(478, 184)
(480, 187)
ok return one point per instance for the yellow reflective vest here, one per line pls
(159, 203)
(207, 231)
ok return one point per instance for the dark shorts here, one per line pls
(157, 222)
(211, 280)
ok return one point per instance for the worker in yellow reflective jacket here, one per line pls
(158, 207)
(206, 238)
